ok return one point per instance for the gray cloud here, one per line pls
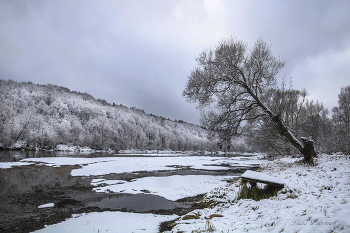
(140, 53)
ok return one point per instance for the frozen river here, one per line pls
(162, 184)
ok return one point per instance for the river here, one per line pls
(96, 182)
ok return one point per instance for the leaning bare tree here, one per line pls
(233, 83)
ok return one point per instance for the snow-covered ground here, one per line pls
(62, 147)
(111, 222)
(315, 199)
(5, 165)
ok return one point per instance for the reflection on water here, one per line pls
(14, 155)
(32, 178)
(128, 202)
(26, 182)
(24, 188)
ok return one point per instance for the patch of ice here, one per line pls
(106, 165)
(59, 161)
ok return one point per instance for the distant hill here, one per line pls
(44, 116)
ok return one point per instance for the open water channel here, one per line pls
(83, 183)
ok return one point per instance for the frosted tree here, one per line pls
(230, 85)
(341, 118)
(302, 116)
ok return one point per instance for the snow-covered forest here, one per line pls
(44, 116)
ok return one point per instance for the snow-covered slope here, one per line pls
(315, 199)
(48, 115)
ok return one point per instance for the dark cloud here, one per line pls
(140, 53)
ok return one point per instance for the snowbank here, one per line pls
(62, 147)
(316, 199)
(5, 165)
(113, 222)
(154, 152)
(259, 176)
(170, 187)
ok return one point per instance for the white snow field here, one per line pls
(111, 222)
(315, 199)
(170, 187)
(107, 165)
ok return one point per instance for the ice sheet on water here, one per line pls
(106, 165)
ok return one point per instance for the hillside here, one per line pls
(44, 116)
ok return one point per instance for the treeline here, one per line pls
(43, 116)
(330, 130)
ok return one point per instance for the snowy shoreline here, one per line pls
(315, 199)
(21, 146)
(86, 149)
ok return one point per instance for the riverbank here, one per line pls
(314, 199)
(22, 146)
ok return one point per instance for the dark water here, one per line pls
(127, 202)
(23, 181)
(16, 155)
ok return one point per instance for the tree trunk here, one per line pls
(307, 148)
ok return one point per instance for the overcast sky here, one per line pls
(140, 53)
